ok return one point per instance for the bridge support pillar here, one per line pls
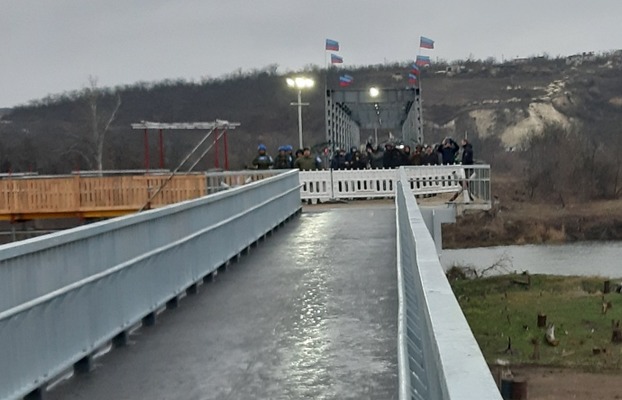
(149, 319)
(433, 218)
(121, 340)
(192, 289)
(172, 303)
(84, 365)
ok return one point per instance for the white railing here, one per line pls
(327, 185)
(438, 356)
(65, 295)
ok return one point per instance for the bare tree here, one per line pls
(100, 124)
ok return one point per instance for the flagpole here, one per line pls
(331, 140)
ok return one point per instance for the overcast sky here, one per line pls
(53, 46)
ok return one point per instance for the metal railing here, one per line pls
(378, 183)
(224, 180)
(65, 295)
(438, 356)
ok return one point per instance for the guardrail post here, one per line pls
(192, 289)
(84, 365)
(172, 303)
(149, 319)
(121, 340)
(211, 277)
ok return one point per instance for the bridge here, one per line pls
(93, 195)
(241, 294)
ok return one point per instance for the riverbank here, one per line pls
(515, 219)
(579, 360)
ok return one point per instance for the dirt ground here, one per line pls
(561, 384)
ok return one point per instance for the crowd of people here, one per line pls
(388, 156)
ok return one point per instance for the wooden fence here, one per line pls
(92, 197)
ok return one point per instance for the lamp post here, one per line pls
(300, 83)
(373, 93)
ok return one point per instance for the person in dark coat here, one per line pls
(467, 152)
(374, 156)
(467, 159)
(448, 150)
(430, 156)
(339, 160)
(391, 157)
(406, 156)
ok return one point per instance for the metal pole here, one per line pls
(300, 117)
(216, 151)
(146, 150)
(161, 150)
(226, 150)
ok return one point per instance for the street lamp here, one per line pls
(300, 83)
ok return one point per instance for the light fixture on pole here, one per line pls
(300, 83)
(373, 93)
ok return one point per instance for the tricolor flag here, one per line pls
(412, 79)
(422, 61)
(335, 59)
(345, 80)
(415, 70)
(332, 45)
(426, 43)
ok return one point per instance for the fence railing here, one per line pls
(438, 356)
(75, 194)
(378, 183)
(224, 180)
(65, 295)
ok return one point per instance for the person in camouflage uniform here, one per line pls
(282, 160)
(306, 162)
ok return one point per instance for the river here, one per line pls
(584, 258)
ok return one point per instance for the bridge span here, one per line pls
(311, 313)
(336, 304)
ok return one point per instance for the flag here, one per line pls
(415, 70)
(422, 60)
(332, 45)
(412, 79)
(426, 43)
(335, 59)
(345, 80)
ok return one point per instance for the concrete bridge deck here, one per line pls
(310, 313)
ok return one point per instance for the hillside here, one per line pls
(498, 105)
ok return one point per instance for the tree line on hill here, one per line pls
(90, 129)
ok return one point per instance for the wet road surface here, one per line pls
(308, 314)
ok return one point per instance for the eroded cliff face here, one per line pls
(521, 103)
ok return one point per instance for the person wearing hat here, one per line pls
(289, 151)
(282, 160)
(263, 160)
(391, 157)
